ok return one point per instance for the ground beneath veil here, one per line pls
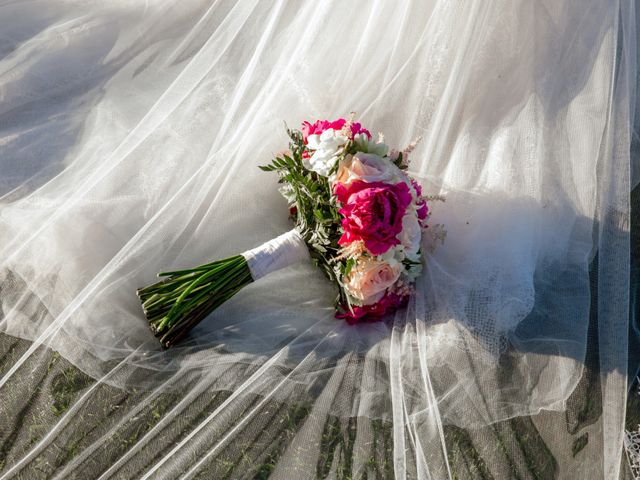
(546, 446)
(549, 445)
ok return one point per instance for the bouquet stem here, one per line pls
(179, 302)
(176, 304)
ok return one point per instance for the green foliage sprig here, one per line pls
(316, 211)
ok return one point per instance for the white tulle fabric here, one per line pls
(130, 135)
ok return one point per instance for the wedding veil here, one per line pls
(130, 135)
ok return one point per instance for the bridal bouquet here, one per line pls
(359, 217)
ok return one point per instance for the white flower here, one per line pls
(411, 236)
(392, 256)
(413, 272)
(367, 167)
(367, 145)
(327, 147)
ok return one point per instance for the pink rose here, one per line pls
(373, 213)
(321, 125)
(372, 313)
(370, 278)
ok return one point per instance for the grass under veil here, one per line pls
(176, 304)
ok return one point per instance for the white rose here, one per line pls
(326, 148)
(411, 235)
(366, 167)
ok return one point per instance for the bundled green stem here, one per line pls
(178, 303)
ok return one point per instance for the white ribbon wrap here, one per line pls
(280, 252)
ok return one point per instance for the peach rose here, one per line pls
(365, 167)
(369, 279)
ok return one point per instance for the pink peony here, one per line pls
(321, 125)
(373, 213)
(372, 313)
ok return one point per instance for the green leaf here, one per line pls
(317, 216)
(349, 264)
